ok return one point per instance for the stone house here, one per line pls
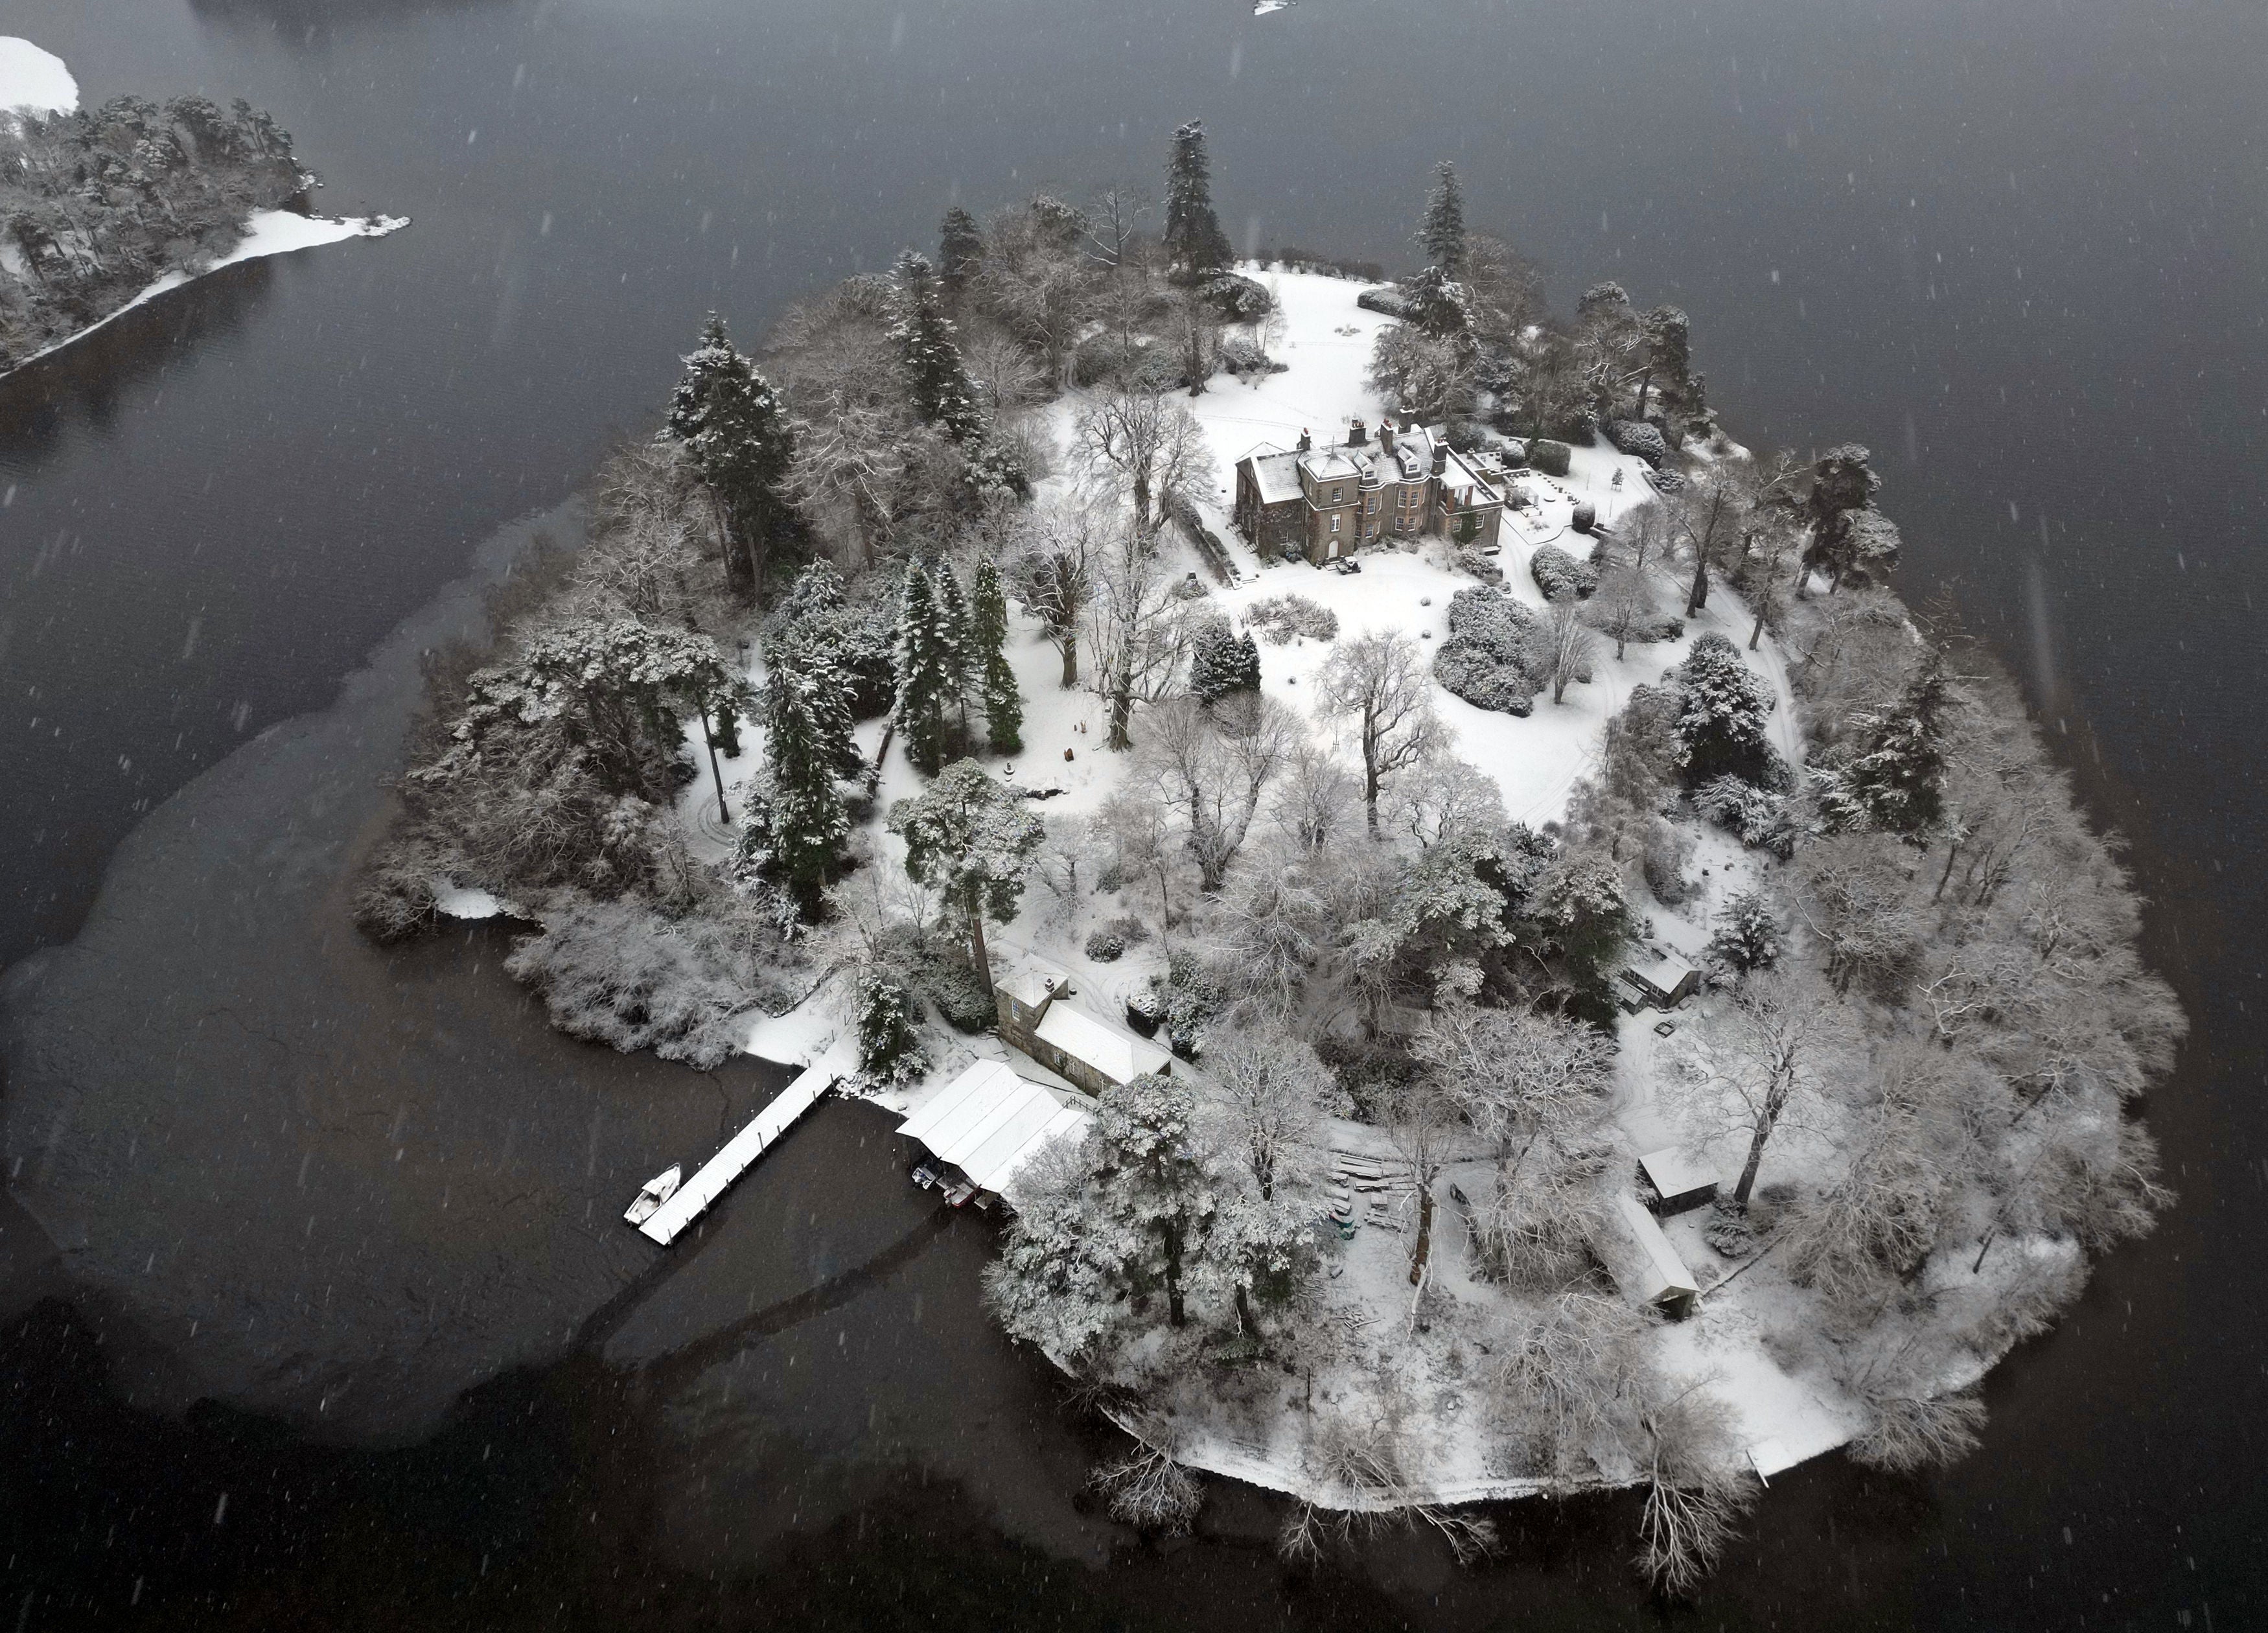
(1037, 1018)
(1328, 502)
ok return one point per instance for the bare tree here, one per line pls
(1007, 380)
(1140, 442)
(1378, 682)
(1271, 930)
(1696, 1494)
(1443, 798)
(1623, 605)
(1196, 334)
(1707, 515)
(1778, 1022)
(847, 465)
(1141, 844)
(1055, 574)
(1272, 1093)
(1311, 796)
(1569, 1383)
(1135, 631)
(1114, 218)
(1422, 1120)
(1568, 647)
(1210, 765)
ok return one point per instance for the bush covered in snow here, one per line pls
(1281, 617)
(890, 1049)
(1759, 817)
(1748, 934)
(396, 900)
(1551, 458)
(1559, 575)
(622, 973)
(1106, 946)
(1488, 658)
(1636, 436)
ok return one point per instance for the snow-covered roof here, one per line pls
(1673, 1174)
(1276, 473)
(988, 1122)
(1033, 981)
(1118, 1056)
(1654, 1265)
(1664, 972)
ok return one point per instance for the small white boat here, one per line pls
(656, 1191)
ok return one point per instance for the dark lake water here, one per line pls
(2020, 249)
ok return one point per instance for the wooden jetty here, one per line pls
(692, 1199)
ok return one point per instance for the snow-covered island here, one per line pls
(1474, 946)
(108, 208)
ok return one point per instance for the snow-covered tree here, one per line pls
(1273, 1093)
(937, 380)
(1568, 645)
(1779, 1023)
(1054, 576)
(1210, 768)
(996, 680)
(1260, 1252)
(1443, 798)
(1140, 442)
(740, 445)
(1748, 935)
(1379, 683)
(1135, 631)
(849, 460)
(1193, 242)
(1850, 538)
(807, 746)
(1722, 705)
(1896, 781)
(1443, 235)
(972, 841)
(1222, 662)
(1149, 1175)
(889, 1029)
(960, 249)
(929, 663)
(1422, 375)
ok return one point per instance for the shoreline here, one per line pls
(266, 232)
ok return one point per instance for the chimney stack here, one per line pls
(1385, 437)
(1440, 459)
(1357, 435)
(1307, 442)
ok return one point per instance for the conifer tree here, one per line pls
(738, 441)
(1193, 242)
(961, 640)
(960, 247)
(936, 378)
(1004, 704)
(929, 668)
(1221, 663)
(1896, 782)
(1443, 236)
(806, 729)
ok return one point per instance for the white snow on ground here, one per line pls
(266, 232)
(34, 81)
(1783, 1417)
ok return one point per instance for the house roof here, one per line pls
(1118, 1056)
(1664, 972)
(1274, 472)
(1673, 1174)
(988, 1122)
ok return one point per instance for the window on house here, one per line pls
(1335, 494)
(1335, 523)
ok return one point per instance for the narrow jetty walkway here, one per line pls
(693, 1197)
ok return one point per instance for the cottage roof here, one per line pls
(988, 1122)
(1118, 1056)
(1673, 1174)
(1662, 972)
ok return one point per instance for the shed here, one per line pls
(988, 1123)
(1674, 1181)
(1661, 979)
(1648, 1269)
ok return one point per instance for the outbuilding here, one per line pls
(1673, 1182)
(986, 1125)
(1659, 978)
(1645, 1267)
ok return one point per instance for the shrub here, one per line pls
(1559, 575)
(1237, 299)
(1636, 436)
(1281, 617)
(622, 973)
(1667, 853)
(1106, 946)
(1760, 818)
(949, 980)
(1486, 661)
(396, 900)
(1551, 458)
(1389, 301)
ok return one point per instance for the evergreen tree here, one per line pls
(806, 733)
(1896, 781)
(889, 1029)
(961, 640)
(928, 672)
(1721, 718)
(1193, 242)
(960, 247)
(1222, 662)
(936, 379)
(1004, 704)
(973, 840)
(1443, 236)
(1149, 1179)
(738, 441)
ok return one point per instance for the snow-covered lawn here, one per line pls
(34, 81)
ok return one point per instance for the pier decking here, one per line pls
(693, 1197)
